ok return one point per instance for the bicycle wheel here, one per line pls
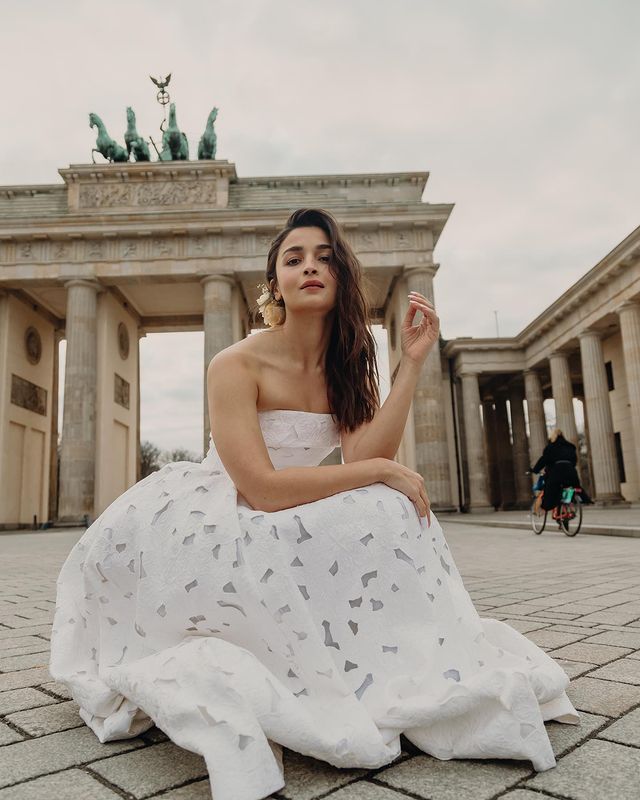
(571, 517)
(538, 520)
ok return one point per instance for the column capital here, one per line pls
(230, 279)
(558, 354)
(531, 371)
(629, 305)
(91, 283)
(468, 373)
(588, 333)
(408, 270)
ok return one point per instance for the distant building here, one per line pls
(586, 345)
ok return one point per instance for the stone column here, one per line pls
(141, 334)
(432, 453)
(538, 437)
(478, 484)
(520, 445)
(630, 329)
(218, 328)
(505, 454)
(5, 384)
(53, 446)
(78, 448)
(489, 426)
(601, 441)
(563, 396)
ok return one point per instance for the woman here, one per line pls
(259, 599)
(559, 461)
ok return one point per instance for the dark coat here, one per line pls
(560, 459)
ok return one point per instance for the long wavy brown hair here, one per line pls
(351, 367)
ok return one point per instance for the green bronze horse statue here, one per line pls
(207, 145)
(134, 142)
(105, 145)
(175, 146)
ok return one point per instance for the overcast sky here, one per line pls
(525, 112)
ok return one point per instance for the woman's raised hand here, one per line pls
(417, 340)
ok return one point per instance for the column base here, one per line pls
(605, 500)
(73, 521)
(445, 509)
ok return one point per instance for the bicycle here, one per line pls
(568, 512)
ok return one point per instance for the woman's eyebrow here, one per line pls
(299, 248)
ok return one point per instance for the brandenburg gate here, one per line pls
(118, 250)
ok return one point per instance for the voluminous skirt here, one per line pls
(329, 628)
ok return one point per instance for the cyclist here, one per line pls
(538, 489)
(559, 459)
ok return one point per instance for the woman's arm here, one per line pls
(540, 464)
(232, 394)
(381, 436)
(294, 486)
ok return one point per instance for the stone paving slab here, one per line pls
(20, 699)
(577, 598)
(8, 735)
(432, 779)
(200, 790)
(307, 777)
(593, 653)
(603, 697)
(626, 730)
(50, 719)
(594, 771)
(159, 767)
(34, 757)
(366, 790)
(72, 784)
(625, 670)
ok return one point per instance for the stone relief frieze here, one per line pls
(163, 247)
(367, 240)
(199, 246)
(186, 245)
(160, 193)
(28, 395)
(121, 391)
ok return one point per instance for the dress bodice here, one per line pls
(294, 438)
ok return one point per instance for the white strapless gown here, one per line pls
(329, 628)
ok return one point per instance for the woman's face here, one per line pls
(305, 255)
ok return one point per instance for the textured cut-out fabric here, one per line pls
(329, 628)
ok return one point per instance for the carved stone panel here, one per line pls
(149, 194)
(33, 345)
(121, 391)
(28, 395)
(123, 341)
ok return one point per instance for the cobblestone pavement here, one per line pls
(579, 599)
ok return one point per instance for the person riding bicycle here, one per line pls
(559, 458)
(538, 489)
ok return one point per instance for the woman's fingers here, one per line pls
(425, 499)
(427, 309)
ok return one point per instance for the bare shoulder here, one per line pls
(248, 354)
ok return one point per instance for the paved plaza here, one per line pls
(579, 599)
